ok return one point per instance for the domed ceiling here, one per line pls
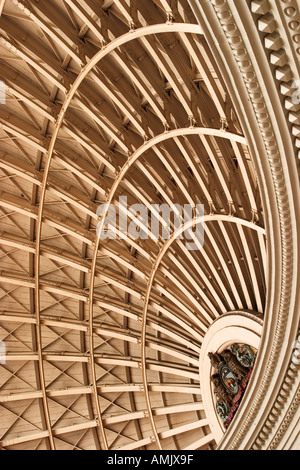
(110, 99)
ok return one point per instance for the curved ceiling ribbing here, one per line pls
(106, 100)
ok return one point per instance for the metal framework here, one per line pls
(126, 98)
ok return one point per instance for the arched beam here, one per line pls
(163, 251)
(196, 29)
(132, 159)
(107, 49)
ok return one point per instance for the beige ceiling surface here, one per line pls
(93, 86)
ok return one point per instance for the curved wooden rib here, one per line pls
(106, 50)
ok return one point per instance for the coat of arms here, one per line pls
(233, 367)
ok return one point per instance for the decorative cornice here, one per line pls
(285, 63)
(290, 379)
(280, 36)
(291, 11)
(290, 382)
(247, 70)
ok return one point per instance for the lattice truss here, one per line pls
(107, 99)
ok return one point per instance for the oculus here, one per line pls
(233, 369)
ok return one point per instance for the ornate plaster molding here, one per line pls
(279, 26)
(290, 383)
(233, 22)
